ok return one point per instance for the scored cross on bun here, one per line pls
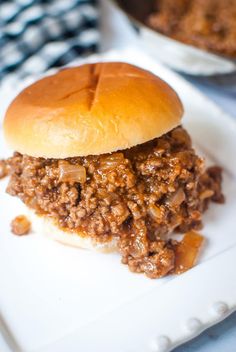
(91, 109)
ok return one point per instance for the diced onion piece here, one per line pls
(111, 161)
(71, 173)
(113, 156)
(155, 212)
(206, 194)
(4, 169)
(176, 198)
(186, 251)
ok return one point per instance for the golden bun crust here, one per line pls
(90, 110)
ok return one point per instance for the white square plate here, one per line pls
(55, 298)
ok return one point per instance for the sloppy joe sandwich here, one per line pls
(102, 159)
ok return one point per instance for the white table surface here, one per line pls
(117, 33)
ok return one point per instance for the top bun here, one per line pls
(89, 110)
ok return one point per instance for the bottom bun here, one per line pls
(44, 225)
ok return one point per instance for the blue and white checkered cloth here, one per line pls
(38, 34)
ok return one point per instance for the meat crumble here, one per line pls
(137, 196)
(4, 169)
(20, 225)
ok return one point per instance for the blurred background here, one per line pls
(196, 38)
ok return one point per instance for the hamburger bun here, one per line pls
(90, 110)
(45, 225)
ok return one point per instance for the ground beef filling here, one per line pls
(138, 196)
